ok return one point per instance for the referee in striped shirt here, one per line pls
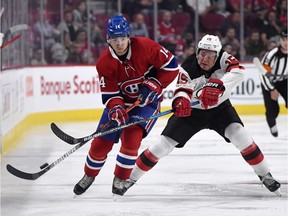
(275, 62)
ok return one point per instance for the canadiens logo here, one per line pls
(131, 87)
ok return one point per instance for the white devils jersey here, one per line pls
(192, 77)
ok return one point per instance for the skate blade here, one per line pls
(116, 197)
(278, 192)
(75, 196)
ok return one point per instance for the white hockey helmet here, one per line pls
(210, 42)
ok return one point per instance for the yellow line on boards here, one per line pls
(10, 139)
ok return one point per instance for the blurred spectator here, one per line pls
(219, 7)
(233, 21)
(88, 57)
(264, 38)
(176, 6)
(188, 50)
(230, 38)
(187, 41)
(168, 34)
(68, 25)
(58, 53)
(254, 46)
(80, 15)
(204, 6)
(75, 55)
(48, 31)
(272, 27)
(259, 19)
(282, 12)
(260, 4)
(38, 58)
(228, 48)
(81, 38)
(129, 8)
(145, 6)
(78, 56)
(234, 6)
(97, 36)
(272, 44)
(68, 6)
(139, 27)
(67, 41)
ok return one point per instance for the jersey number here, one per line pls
(164, 51)
(102, 82)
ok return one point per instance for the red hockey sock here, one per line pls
(97, 156)
(125, 161)
(146, 160)
(252, 154)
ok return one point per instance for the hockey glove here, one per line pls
(149, 91)
(181, 107)
(211, 91)
(118, 114)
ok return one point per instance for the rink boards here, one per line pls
(41, 95)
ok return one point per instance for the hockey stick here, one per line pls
(10, 41)
(262, 70)
(10, 31)
(72, 140)
(46, 167)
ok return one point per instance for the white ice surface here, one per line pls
(208, 177)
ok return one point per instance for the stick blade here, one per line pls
(24, 175)
(259, 66)
(62, 135)
(18, 28)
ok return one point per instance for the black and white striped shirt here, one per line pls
(278, 62)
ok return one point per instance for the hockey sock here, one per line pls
(97, 155)
(126, 158)
(144, 163)
(254, 157)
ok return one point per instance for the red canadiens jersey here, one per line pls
(122, 79)
(168, 33)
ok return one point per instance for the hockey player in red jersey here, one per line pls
(130, 68)
(209, 75)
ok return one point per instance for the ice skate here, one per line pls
(274, 131)
(271, 184)
(83, 184)
(119, 186)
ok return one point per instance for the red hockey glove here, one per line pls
(118, 114)
(150, 90)
(211, 91)
(181, 107)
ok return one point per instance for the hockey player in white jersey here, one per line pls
(209, 75)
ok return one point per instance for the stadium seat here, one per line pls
(181, 20)
(211, 22)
